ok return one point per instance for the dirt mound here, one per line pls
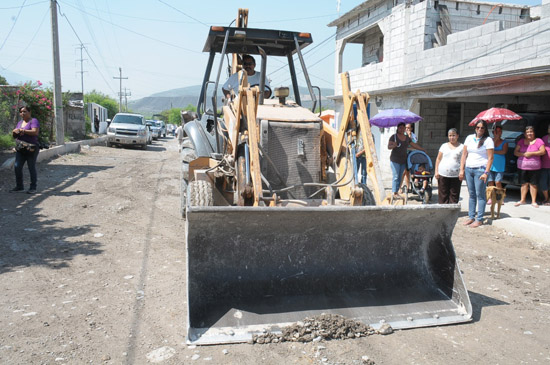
(323, 327)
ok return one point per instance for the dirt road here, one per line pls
(92, 271)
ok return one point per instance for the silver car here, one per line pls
(128, 129)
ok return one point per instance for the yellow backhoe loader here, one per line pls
(278, 226)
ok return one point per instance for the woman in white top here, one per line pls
(447, 169)
(475, 164)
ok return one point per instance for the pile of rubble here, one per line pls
(323, 327)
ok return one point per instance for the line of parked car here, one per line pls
(129, 129)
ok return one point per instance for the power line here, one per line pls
(92, 34)
(294, 19)
(305, 53)
(86, 49)
(13, 25)
(187, 15)
(30, 42)
(137, 33)
(24, 6)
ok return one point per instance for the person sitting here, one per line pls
(232, 83)
(421, 170)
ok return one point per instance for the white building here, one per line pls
(446, 61)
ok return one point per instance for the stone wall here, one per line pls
(75, 125)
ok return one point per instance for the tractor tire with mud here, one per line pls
(200, 193)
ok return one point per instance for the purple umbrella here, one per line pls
(392, 117)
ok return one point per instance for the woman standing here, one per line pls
(529, 150)
(398, 145)
(475, 164)
(545, 170)
(26, 131)
(499, 162)
(447, 169)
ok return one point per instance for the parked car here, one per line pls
(512, 132)
(128, 129)
(162, 127)
(155, 130)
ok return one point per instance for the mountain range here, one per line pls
(182, 97)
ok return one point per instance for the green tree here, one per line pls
(3, 81)
(104, 100)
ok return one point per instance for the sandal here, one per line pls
(476, 224)
(534, 205)
(518, 204)
(468, 222)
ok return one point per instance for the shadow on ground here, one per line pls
(27, 238)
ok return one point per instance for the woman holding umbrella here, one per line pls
(398, 145)
(475, 165)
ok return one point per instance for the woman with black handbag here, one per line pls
(26, 147)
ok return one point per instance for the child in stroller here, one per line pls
(420, 167)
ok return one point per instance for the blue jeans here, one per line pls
(20, 159)
(476, 190)
(361, 169)
(397, 170)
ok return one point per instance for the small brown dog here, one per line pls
(496, 195)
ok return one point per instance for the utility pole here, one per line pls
(120, 92)
(57, 97)
(82, 69)
(126, 94)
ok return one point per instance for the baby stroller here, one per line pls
(416, 160)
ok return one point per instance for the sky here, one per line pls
(157, 43)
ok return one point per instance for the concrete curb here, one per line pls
(535, 231)
(71, 147)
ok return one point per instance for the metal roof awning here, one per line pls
(247, 40)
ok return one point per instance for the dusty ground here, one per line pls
(92, 271)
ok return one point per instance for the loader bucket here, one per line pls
(251, 269)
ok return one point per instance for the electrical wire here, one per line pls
(23, 6)
(294, 19)
(13, 25)
(30, 42)
(134, 32)
(86, 49)
(92, 34)
(187, 15)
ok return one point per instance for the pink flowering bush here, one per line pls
(39, 101)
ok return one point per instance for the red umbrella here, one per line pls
(495, 115)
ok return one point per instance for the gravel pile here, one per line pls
(323, 327)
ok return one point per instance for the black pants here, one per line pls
(448, 189)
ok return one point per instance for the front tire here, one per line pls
(368, 196)
(200, 194)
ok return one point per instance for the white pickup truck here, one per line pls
(128, 129)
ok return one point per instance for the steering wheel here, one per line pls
(268, 89)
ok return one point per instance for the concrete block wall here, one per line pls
(467, 17)
(432, 129)
(366, 17)
(477, 51)
(371, 45)
(471, 110)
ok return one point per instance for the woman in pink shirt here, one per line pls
(545, 170)
(529, 150)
